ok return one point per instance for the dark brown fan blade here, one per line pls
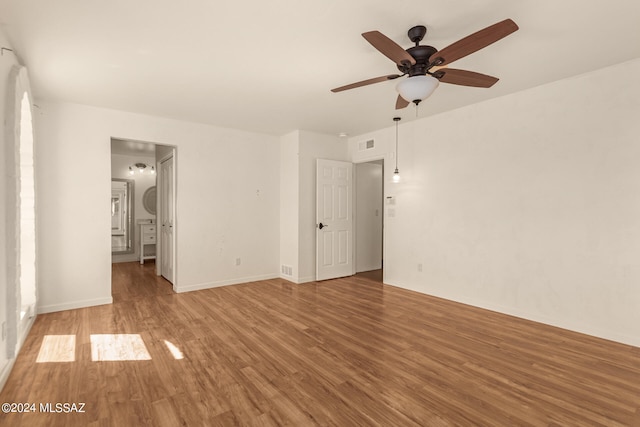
(366, 82)
(388, 48)
(474, 42)
(465, 78)
(401, 103)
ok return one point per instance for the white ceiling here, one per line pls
(268, 66)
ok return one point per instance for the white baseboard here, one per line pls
(216, 284)
(8, 367)
(368, 268)
(6, 371)
(74, 304)
(564, 324)
(298, 280)
(534, 317)
(568, 325)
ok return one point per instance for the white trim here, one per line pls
(6, 371)
(74, 305)
(8, 367)
(370, 159)
(219, 283)
(307, 279)
(25, 332)
(534, 317)
(298, 280)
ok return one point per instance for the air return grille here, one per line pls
(366, 145)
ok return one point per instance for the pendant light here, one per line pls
(396, 173)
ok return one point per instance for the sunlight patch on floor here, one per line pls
(118, 347)
(175, 351)
(57, 348)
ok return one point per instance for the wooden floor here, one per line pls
(346, 352)
(375, 275)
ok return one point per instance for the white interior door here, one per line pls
(334, 219)
(167, 206)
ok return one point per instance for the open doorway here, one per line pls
(138, 215)
(133, 173)
(369, 211)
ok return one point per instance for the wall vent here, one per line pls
(366, 145)
(286, 270)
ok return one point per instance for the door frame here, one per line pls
(159, 218)
(383, 209)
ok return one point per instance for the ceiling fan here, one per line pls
(426, 66)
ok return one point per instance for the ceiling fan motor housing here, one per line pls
(421, 54)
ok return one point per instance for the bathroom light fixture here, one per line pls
(141, 168)
(396, 173)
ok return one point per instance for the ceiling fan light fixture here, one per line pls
(417, 88)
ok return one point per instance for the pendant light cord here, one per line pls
(396, 119)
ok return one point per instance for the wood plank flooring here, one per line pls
(346, 352)
(375, 275)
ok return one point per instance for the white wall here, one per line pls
(289, 202)
(227, 190)
(369, 213)
(527, 204)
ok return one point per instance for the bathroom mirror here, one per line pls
(149, 200)
(122, 216)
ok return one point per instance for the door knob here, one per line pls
(321, 226)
